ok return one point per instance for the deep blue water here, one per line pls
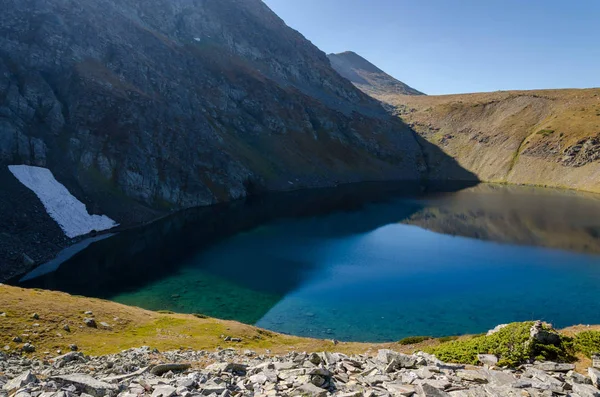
(377, 270)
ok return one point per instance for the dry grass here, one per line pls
(134, 327)
(495, 135)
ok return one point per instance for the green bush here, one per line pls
(413, 340)
(445, 339)
(511, 344)
(588, 342)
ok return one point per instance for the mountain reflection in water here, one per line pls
(365, 262)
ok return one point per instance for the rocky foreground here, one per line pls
(146, 372)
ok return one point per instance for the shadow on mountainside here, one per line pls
(441, 167)
(136, 258)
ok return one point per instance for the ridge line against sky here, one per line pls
(460, 46)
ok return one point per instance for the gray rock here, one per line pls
(309, 390)
(227, 367)
(544, 335)
(163, 391)
(487, 359)
(554, 367)
(20, 381)
(209, 389)
(496, 329)
(575, 377)
(90, 322)
(397, 389)
(28, 348)
(472, 376)
(17, 339)
(594, 376)
(160, 369)
(596, 361)
(88, 384)
(68, 357)
(582, 390)
(427, 390)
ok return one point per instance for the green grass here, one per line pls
(511, 344)
(588, 342)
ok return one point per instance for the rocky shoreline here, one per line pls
(228, 372)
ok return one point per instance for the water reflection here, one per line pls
(371, 262)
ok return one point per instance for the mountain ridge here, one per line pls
(367, 77)
(140, 110)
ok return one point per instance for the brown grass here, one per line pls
(135, 327)
(495, 135)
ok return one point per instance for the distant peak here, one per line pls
(368, 77)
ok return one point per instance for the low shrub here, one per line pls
(512, 344)
(445, 339)
(587, 342)
(413, 340)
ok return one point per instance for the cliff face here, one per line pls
(140, 108)
(368, 77)
(185, 102)
(545, 137)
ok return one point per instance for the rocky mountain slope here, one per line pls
(546, 137)
(141, 108)
(368, 77)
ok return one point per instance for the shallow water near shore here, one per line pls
(362, 264)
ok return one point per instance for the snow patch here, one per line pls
(70, 213)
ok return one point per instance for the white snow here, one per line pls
(70, 213)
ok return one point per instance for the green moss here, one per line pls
(588, 342)
(511, 344)
(413, 340)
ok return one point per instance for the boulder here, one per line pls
(28, 348)
(427, 390)
(487, 359)
(309, 390)
(163, 391)
(596, 360)
(88, 384)
(160, 369)
(585, 390)
(594, 376)
(20, 381)
(544, 335)
(554, 367)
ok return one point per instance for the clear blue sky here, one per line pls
(454, 46)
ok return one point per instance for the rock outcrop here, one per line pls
(140, 108)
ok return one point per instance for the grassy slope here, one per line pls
(134, 327)
(498, 135)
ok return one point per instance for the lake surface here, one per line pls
(363, 263)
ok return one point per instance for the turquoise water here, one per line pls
(378, 270)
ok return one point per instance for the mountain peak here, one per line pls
(368, 77)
